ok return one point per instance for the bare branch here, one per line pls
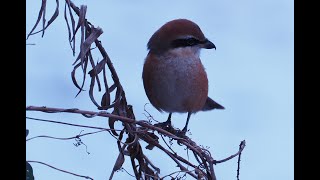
(185, 141)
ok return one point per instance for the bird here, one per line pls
(174, 78)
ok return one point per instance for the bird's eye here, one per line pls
(192, 41)
(185, 42)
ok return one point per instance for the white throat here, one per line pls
(190, 51)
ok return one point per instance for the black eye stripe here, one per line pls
(185, 42)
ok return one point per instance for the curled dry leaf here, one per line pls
(93, 79)
(42, 13)
(85, 46)
(105, 101)
(82, 19)
(73, 76)
(134, 150)
(130, 113)
(155, 139)
(150, 173)
(93, 66)
(112, 87)
(98, 68)
(119, 162)
(73, 46)
(111, 122)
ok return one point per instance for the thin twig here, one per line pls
(70, 124)
(126, 172)
(242, 145)
(102, 114)
(167, 144)
(173, 158)
(92, 127)
(73, 137)
(149, 115)
(149, 162)
(176, 172)
(87, 177)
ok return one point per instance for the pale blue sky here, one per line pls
(250, 74)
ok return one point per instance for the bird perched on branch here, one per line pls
(173, 76)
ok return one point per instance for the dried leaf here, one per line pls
(42, 13)
(112, 87)
(93, 66)
(122, 109)
(84, 34)
(130, 113)
(98, 68)
(117, 98)
(54, 16)
(106, 87)
(111, 124)
(43, 20)
(96, 32)
(85, 46)
(73, 76)
(74, 79)
(121, 134)
(119, 162)
(81, 24)
(150, 172)
(68, 26)
(155, 139)
(135, 150)
(105, 101)
(73, 28)
(150, 146)
(91, 92)
(81, 20)
(43, 6)
(134, 167)
(153, 136)
(84, 71)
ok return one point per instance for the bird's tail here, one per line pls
(211, 104)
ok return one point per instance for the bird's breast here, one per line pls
(175, 83)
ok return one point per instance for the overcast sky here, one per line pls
(250, 74)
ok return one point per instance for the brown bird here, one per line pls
(173, 76)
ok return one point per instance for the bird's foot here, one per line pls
(165, 126)
(181, 133)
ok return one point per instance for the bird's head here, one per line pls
(178, 34)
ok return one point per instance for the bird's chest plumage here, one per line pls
(177, 76)
(177, 82)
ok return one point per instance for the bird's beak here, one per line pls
(208, 44)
